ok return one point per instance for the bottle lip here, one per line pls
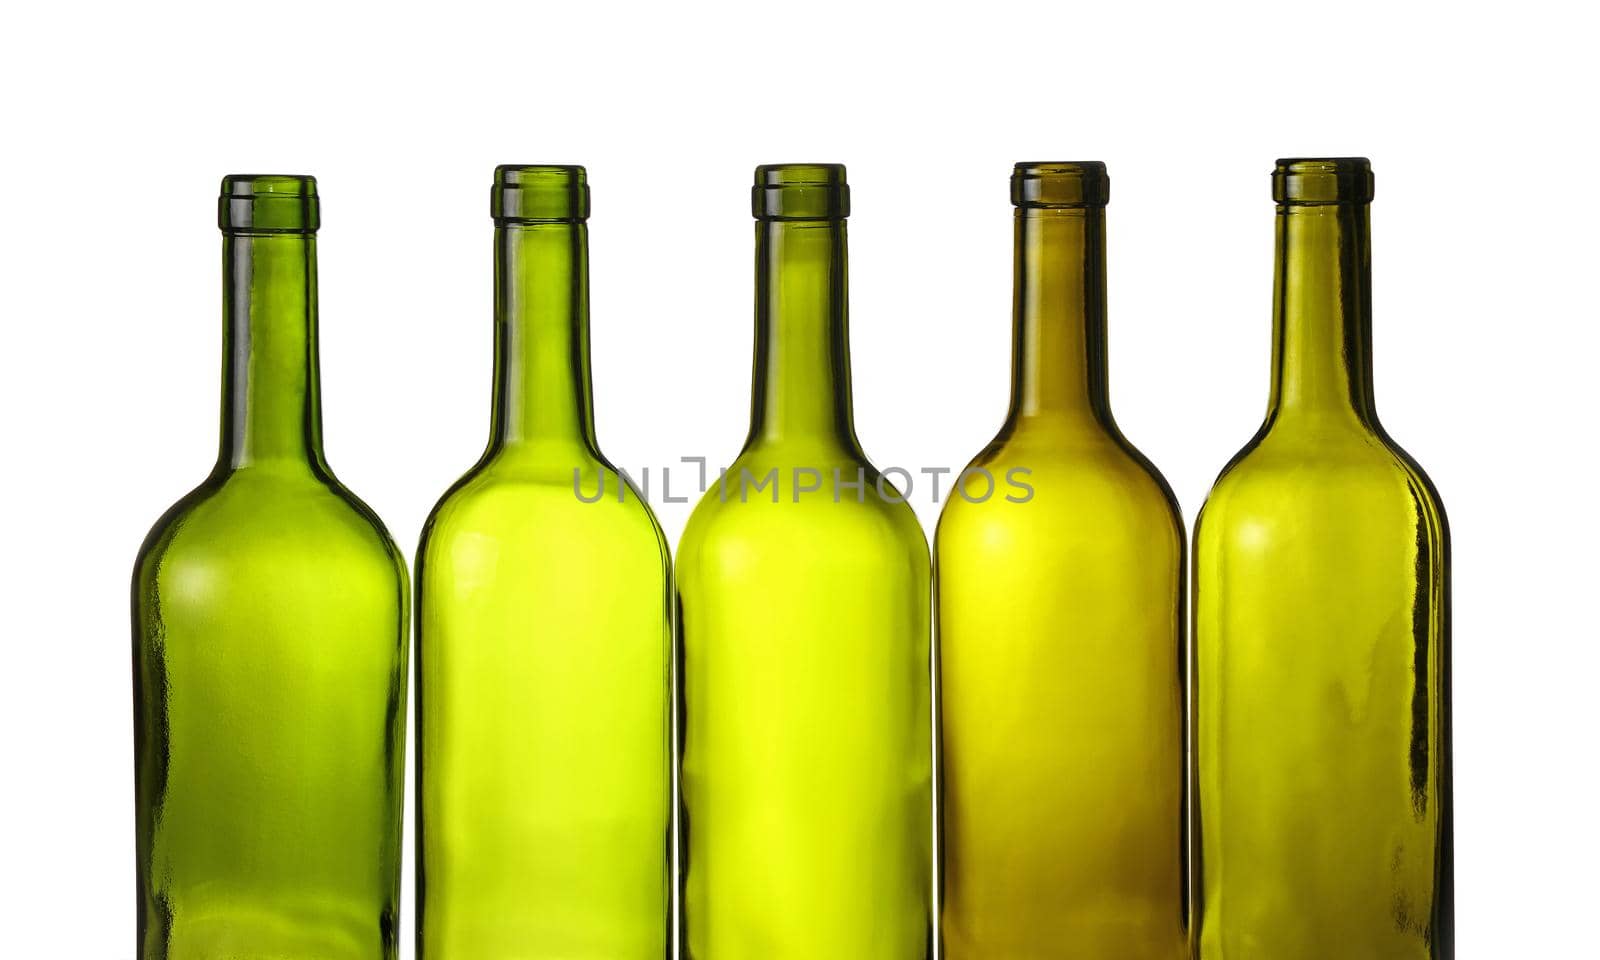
(265, 203)
(1319, 181)
(800, 191)
(539, 193)
(1060, 184)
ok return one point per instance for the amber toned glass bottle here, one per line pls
(804, 589)
(544, 639)
(1059, 568)
(269, 647)
(1322, 632)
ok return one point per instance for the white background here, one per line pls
(119, 121)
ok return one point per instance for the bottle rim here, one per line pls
(539, 193)
(267, 203)
(1060, 184)
(800, 191)
(1318, 181)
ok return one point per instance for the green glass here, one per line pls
(269, 649)
(1322, 633)
(804, 590)
(544, 642)
(1060, 636)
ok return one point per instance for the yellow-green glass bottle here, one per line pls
(1321, 633)
(544, 642)
(1059, 575)
(804, 589)
(269, 649)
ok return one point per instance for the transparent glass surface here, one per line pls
(806, 755)
(544, 640)
(269, 648)
(1060, 619)
(1322, 636)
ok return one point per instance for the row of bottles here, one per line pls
(1277, 788)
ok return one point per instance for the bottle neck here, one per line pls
(542, 396)
(802, 358)
(271, 411)
(1322, 328)
(1059, 305)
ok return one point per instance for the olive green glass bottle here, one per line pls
(269, 648)
(804, 591)
(1322, 632)
(544, 642)
(1059, 568)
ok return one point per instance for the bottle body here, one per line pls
(269, 656)
(806, 758)
(544, 637)
(1319, 633)
(1321, 638)
(269, 618)
(1060, 706)
(1060, 618)
(544, 788)
(806, 768)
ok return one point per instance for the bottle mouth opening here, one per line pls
(268, 203)
(1060, 185)
(1317, 181)
(539, 193)
(800, 191)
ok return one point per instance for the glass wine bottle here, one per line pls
(804, 592)
(269, 648)
(1321, 632)
(544, 642)
(1059, 582)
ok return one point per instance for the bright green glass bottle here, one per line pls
(544, 642)
(804, 590)
(1322, 632)
(269, 648)
(1060, 636)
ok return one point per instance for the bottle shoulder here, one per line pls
(1082, 447)
(822, 504)
(1070, 479)
(243, 515)
(1286, 473)
(503, 500)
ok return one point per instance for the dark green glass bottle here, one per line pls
(544, 642)
(804, 587)
(269, 648)
(1322, 635)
